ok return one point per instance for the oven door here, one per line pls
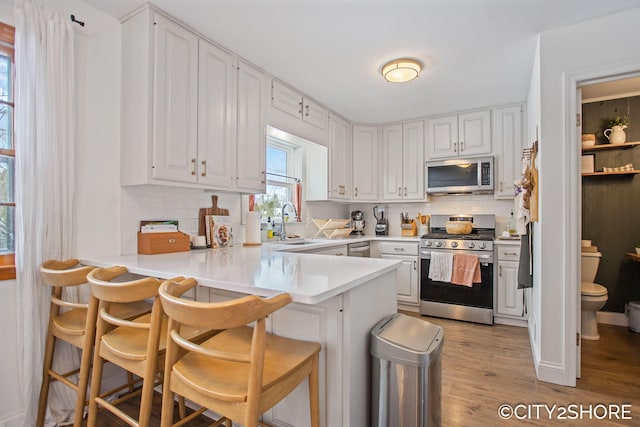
(480, 295)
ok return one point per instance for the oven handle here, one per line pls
(427, 255)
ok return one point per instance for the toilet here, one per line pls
(593, 295)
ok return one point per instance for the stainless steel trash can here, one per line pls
(406, 372)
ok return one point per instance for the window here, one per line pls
(281, 167)
(7, 153)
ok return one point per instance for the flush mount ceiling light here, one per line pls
(401, 70)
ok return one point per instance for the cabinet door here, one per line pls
(474, 133)
(286, 99)
(216, 117)
(442, 137)
(339, 159)
(365, 159)
(314, 114)
(335, 250)
(507, 137)
(413, 161)
(407, 285)
(253, 90)
(392, 185)
(175, 100)
(510, 298)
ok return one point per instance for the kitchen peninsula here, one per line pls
(336, 302)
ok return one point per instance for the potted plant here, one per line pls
(638, 249)
(616, 134)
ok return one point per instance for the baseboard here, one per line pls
(498, 320)
(552, 373)
(13, 419)
(410, 308)
(612, 318)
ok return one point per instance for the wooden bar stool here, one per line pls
(75, 325)
(137, 345)
(241, 372)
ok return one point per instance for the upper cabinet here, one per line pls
(507, 137)
(297, 105)
(339, 159)
(253, 92)
(365, 156)
(466, 134)
(192, 114)
(403, 161)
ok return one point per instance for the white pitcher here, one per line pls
(616, 134)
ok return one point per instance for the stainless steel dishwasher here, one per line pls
(360, 249)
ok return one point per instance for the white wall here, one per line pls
(586, 49)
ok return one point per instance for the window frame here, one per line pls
(292, 151)
(7, 42)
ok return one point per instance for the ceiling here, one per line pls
(477, 53)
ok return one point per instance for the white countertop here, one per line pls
(261, 270)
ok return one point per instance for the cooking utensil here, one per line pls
(459, 227)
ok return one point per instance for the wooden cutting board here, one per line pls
(213, 210)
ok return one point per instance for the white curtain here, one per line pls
(44, 140)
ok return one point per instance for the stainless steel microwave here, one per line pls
(470, 175)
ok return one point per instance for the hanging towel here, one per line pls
(525, 267)
(466, 270)
(441, 266)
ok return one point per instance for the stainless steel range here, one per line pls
(443, 299)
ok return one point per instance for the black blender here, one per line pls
(382, 225)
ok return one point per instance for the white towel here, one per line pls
(441, 266)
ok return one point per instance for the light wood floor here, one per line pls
(484, 367)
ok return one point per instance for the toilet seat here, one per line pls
(592, 289)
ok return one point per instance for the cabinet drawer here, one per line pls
(399, 248)
(508, 253)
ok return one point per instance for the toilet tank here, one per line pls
(589, 266)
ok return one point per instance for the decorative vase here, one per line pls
(616, 135)
(638, 251)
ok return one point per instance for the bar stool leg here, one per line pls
(46, 379)
(314, 398)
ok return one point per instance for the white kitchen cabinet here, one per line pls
(507, 139)
(510, 304)
(403, 161)
(339, 158)
(175, 98)
(192, 114)
(297, 105)
(339, 250)
(408, 274)
(253, 92)
(465, 134)
(365, 156)
(216, 116)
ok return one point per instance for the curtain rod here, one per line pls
(73, 19)
(297, 180)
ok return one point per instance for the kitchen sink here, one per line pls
(300, 241)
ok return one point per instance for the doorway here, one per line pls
(600, 195)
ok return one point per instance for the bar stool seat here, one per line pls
(75, 326)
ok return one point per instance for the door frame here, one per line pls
(573, 213)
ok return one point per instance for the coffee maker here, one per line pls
(357, 222)
(382, 225)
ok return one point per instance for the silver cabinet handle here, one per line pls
(461, 146)
(405, 191)
(399, 249)
(300, 107)
(415, 265)
(400, 191)
(500, 271)
(193, 162)
(264, 177)
(511, 253)
(355, 192)
(500, 186)
(455, 147)
(306, 110)
(204, 168)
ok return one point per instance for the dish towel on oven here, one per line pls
(466, 270)
(441, 266)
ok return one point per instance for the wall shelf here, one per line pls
(611, 173)
(633, 257)
(610, 147)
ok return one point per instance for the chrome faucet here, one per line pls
(283, 233)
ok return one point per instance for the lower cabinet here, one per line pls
(510, 304)
(408, 275)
